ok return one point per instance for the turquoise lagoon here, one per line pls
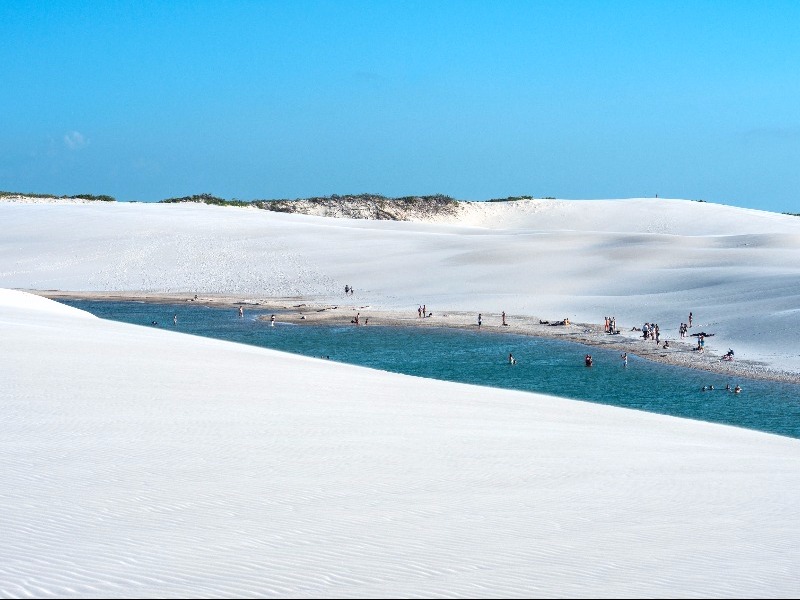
(480, 357)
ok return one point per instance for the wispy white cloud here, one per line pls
(75, 140)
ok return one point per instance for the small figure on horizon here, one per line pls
(480, 320)
(346, 289)
(690, 319)
(504, 319)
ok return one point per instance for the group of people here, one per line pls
(357, 320)
(728, 388)
(421, 312)
(502, 319)
(651, 331)
(611, 325)
(348, 290)
(701, 343)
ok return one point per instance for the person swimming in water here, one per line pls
(511, 359)
(588, 360)
(624, 357)
(737, 389)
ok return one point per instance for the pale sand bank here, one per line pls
(303, 310)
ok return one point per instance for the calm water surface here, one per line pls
(546, 366)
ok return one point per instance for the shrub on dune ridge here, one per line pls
(92, 197)
(205, 199)
(354, 206)
(366, 206)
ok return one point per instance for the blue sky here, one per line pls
(478, 100)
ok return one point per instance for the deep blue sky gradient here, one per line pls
(147, 100)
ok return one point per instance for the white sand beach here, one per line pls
(140, 462)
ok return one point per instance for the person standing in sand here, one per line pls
(690, 320)
(480, 320)
(504, 319)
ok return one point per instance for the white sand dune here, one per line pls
(144, 463)
(653, 260)
(138, 462)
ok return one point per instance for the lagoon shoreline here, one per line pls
(308, 310)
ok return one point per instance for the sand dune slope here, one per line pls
(144, 463)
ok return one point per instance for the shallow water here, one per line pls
(546, 366)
